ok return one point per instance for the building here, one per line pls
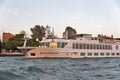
(7, 36)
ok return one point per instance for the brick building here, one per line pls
(7, 36)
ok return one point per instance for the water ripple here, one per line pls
(19, 68)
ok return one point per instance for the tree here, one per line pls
(69, 32)
(14, 42)
(38, 32)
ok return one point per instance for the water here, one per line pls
(19, 68)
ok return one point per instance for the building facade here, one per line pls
(7, 36)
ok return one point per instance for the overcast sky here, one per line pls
(86, 16)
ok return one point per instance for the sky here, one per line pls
(86, 16)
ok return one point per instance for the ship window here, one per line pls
(82, 54)
(58, 44)
(106, 47)
(118, 53)
(84, 46)
(63, 45)
(73, 45)
(113, 54)
(90, 46)
(95, 54)
(100, 46)
(47, 44)
(89, 54)
(102, 54)
(87, 46)
(80, 46)
(107, 54)
(103, 46)
(110, 47)
(76, 45)
(32, 54)
(94, 46)
(97, 46)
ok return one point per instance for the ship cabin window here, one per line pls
(106, 47)
(95, 54)
(94, 46)
(88, 46)
(89, 54)
(76, 46)
(32, 54)
(117, 53)
(61, 44)
(80, 45)
(100, 46)
(84, 46)
(113, 54)
(82, 54)
(102, 54)
(107, 54)
(46, 44)
(97, 46)
(91, 46)
(58, 44)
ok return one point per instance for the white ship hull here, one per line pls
(69, 53)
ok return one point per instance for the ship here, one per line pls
(82, 46)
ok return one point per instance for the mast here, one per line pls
(25, 42)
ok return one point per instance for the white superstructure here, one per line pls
(84, 46)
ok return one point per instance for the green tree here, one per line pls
(69, 32)
(38, 32)
(14, 42)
